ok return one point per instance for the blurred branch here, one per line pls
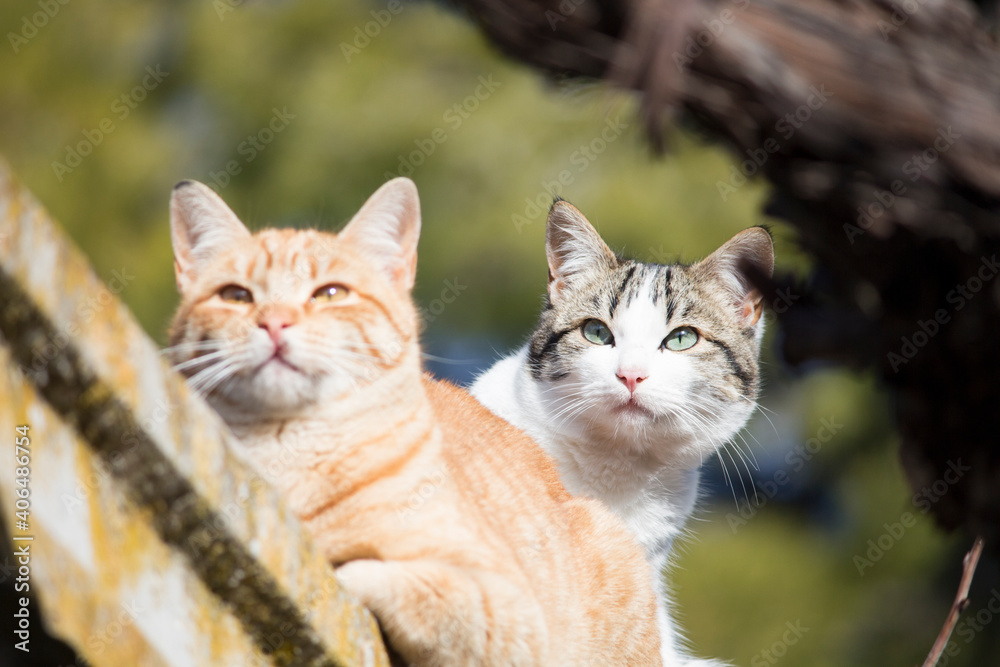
(961, 602)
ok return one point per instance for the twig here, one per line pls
(959, 605)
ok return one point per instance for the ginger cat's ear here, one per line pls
(201, 225)
(750, 248)
(386, 231)
(572, 246)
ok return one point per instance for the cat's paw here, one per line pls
(363, 579)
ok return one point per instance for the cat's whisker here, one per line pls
(209, 358)
(347, 356)
(763, 411)
(739, 475)
(739, 452)
(742, 437)
(564, 403)
(203, 382)
(445, 360)
(208, 379)
(321, 337)
(211, 366)
(570, 389)
(565, 387)
(324, 347)
(187, 349)
(701, 420)
(727, 476)
(763, 408)
(749, 450)
(359, 348)
(566, 413)
(204, 342)
(573, 403)
(335, 358)
(582, 407)
(593, 418)
(205, 391)
(703, 423)
(750, 473)
(618, 425)
(354, 369)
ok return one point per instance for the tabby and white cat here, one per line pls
(306, 344)
(635, 372)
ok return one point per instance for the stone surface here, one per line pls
(152, 542)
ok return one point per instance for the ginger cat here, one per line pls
(450, 525)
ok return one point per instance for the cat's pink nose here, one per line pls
(631, 379)
(274, 323)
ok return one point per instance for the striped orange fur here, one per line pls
(451, 525)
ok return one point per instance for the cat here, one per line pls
(635, 372)
(449, 524)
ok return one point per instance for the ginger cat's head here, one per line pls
(274, 322)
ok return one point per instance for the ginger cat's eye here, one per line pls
(597, 332)
(680, 339)
(330, 293)
(235, 294)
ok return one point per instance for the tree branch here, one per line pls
(959, 605)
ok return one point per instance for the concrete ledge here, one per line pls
(153, 543)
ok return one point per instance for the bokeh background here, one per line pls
(297, 110)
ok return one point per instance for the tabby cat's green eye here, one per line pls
(330, 293)
(681, 338)
(597, 332)
(235, 294)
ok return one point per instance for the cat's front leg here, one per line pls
(435, 614)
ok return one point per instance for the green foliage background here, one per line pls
(356, 113)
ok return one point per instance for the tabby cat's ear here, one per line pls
(386, 231)
(729, 264)
(201, 225)
(573, 247)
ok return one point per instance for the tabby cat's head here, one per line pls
(272, 322)
(645, 354)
